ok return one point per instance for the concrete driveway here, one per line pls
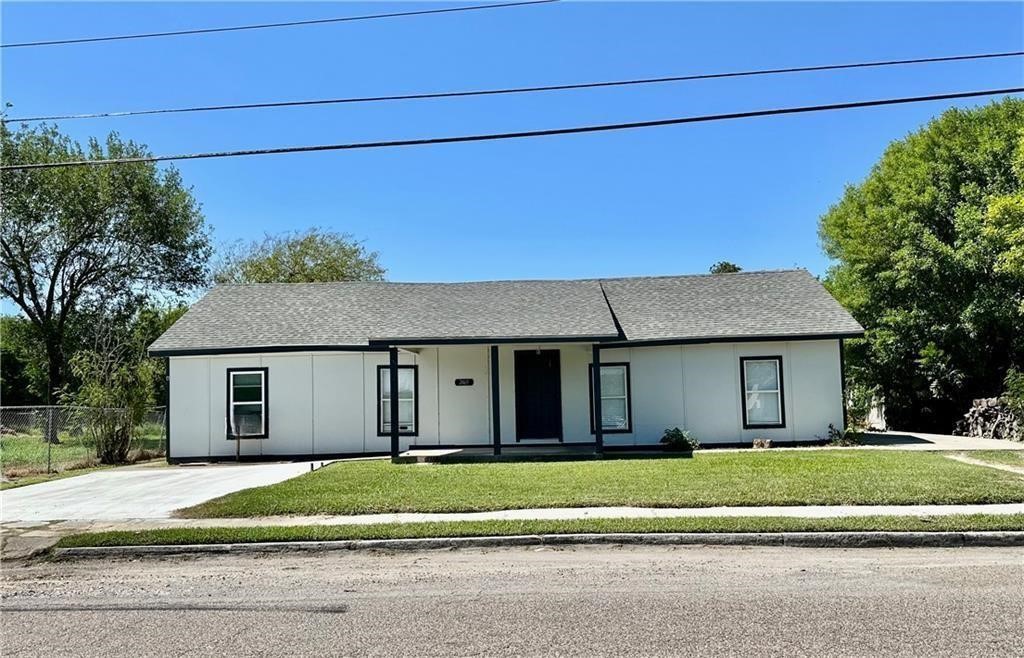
(143, 493)
(897, 440)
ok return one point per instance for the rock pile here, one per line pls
(990, 418)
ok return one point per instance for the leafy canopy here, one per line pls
(929, 253)
(80, 242)
(314, 255)
(725, 267)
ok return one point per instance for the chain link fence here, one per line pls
(49, 439)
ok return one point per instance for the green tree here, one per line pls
(929, 252)
(116, 385)
(725, 267)
(91, 241)
(22, 363)
(314, 255)
(150, 322)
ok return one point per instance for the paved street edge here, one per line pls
(794, 539)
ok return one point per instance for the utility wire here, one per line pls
(264, 26)
(518, 90)
(516, 135)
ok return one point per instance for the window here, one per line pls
(761, 380)
(616, 411)
(247, 403)
(408, 410)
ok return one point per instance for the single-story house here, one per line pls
(368, 368)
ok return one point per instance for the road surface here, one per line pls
(586, 601)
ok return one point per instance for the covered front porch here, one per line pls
(521, 399)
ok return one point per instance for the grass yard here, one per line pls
(28, 452)
(832, 477)
(179, 536)
(1005, 457)
(24, 459)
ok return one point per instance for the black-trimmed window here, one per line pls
(408, 400)
(763, 397)
(616, 405)
(247, 410)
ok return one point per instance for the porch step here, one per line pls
(517, 452)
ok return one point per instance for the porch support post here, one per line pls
(495, 400)
(393, 377)
(598, 429)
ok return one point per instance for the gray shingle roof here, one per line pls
(353, 314)
(744, 305)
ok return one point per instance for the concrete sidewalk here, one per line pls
(27, 537)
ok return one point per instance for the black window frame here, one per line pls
(629, 398)
(782, 393)
(415, 401)
(229, 418)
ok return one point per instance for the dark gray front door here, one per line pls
(538, 379)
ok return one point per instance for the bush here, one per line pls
(845, 437)
(860, 399)
(1013, 392)
(116, 386)
(681, 440)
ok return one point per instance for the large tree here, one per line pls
(930, 259)
(91, 242)
(314, 255)
(725, 267)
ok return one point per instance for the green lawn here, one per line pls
(28, 452)
(178, 536)
(832, 477)
(23, 457)
(1007, 457)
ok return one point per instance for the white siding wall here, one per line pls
(338, 400)
(326, 403)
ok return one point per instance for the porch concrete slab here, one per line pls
(118, 494)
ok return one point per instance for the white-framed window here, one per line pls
(247, 403)
(761, 379)
(408, 411)
(616, 412)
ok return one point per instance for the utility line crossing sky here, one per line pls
(657, 201)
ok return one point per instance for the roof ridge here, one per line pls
(461, 283)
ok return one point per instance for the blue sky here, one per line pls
(657, 201)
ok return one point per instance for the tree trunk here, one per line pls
(55, 381)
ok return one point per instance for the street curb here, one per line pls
(794, 539)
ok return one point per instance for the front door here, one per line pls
(538, 395)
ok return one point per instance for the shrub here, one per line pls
(1013, 392)
(860, 399)
(677, 439)
(116, 385)
(845, 437)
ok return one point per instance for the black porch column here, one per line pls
(598, 429)
(495, 400)
(393, 377)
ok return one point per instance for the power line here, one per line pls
(264, 26)
(516, 135)
(520, 90)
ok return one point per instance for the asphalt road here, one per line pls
(584, 601)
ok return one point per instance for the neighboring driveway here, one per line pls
(146, 493)
(896, 440)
